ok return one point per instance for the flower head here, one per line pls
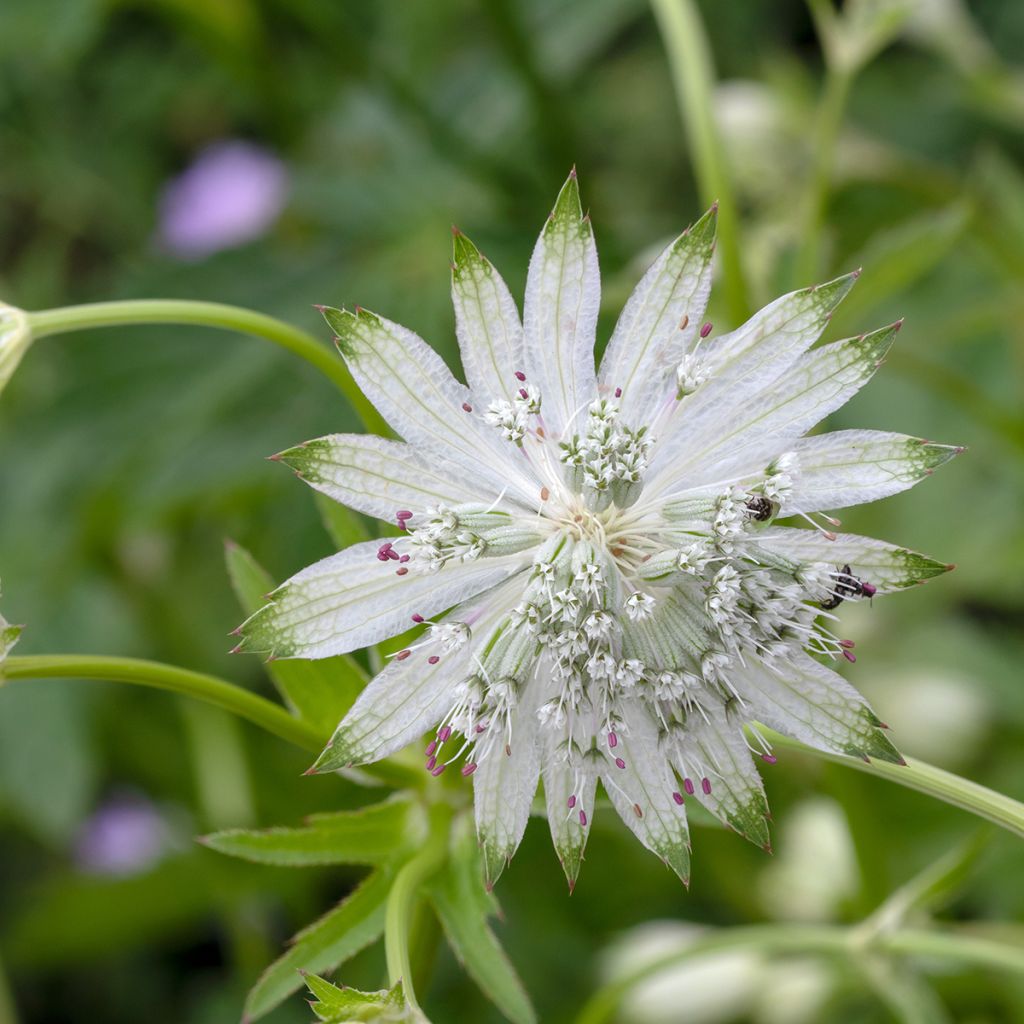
(595, 556)
(9, 636)
(15, 339)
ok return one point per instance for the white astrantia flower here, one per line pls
(594, 555)
(15, 339)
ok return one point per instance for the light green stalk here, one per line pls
(136, 312)
(692, 70)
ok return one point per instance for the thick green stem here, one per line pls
(690, 63)
(925, 778)
(829, 121)
(250, 706)
(398, 916)
(134, 312)
(813, 940)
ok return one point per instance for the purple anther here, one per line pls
(705, 330)
(394, 556)
(402, 571)
(868, 590)
(403, 559)
(520, 376)
(619, 763)
(571, 801)
(849, 656)
(467, 407)
(417, 617)
(618, 392)
(437, 771)
(688, 786)
(705, 784)
(431, 747)
(769, 758)
(613, 740)
(401, 524)
(480, 729)
(445, 734)
(431, 761)
(468, 769)
(679, 798)
(848, 644)
(402, 514)
(583, 818)
(523, 393)
(433, 659)
(402, 655)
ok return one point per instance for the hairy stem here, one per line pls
(692, 70)
(136, 312)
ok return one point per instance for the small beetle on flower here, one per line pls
(595, 554)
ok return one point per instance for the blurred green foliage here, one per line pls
(128, 456)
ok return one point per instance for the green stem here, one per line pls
(788, 939)
(209, 689)
(398, 915)
(210, 314)
(829, 121)
(692, 70)
(925, 778)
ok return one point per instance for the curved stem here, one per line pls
(209, 314)
(209, 689)
(402, 900)
(785, 939)
(689, 58)
(258, 710)
(926, 778)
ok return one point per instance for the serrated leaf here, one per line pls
(463, 906)
(336, 937)
(320, 692)
(371, 835)
(336, 1005)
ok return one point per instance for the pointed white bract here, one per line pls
(593, 560)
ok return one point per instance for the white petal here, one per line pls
(416, 393)
(774, 337)
(736, 792)
(352, 600)
(15, 339)
(813, 704)
(487, 325)
(504, 785)
(568, 778)
(765, 424)
(852, 467)
(642, 791)
(886, 566)
(563, 293)
(380, 477)
(660, 322)
(410, 696)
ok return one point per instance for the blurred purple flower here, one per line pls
(231, 193)
(124, 836)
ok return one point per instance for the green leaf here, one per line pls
(344, 526)
(463, 906)
(319, 692)
(340, 1005)
(336, 937)
(371, 835)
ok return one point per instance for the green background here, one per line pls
(128, 456)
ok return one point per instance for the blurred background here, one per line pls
(278, 154)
